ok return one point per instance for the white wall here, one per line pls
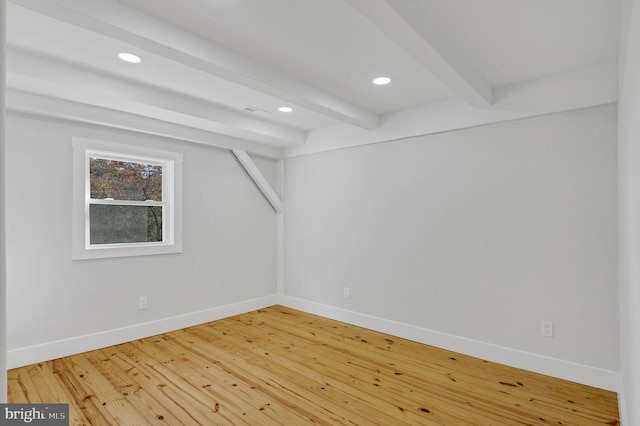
(3, 319)
(479, 233)
(629, 176)
(56, 304)
(270, 172)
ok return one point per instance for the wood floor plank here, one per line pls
(342, 371)
(105, 396)
(196, 407)
(138, 395)
(16, 388)
(46, 383)
(172, 400)
(27, 385)
(237, 385)
(523, 398)
(281, 366)
(79, 396)
(275, 381)
(288, 385)
(354, 369)
(178, 360)
(539, 386)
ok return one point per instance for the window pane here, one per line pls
(125, 180)
(125, 224)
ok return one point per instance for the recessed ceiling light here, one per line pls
(129, 57)
(381, 81)
(285, 109)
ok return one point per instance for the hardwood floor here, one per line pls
(281, 366)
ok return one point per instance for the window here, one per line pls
(127, 200)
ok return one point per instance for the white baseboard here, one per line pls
(622, 404)
(584, 374)
(579, 373)
(60, 348)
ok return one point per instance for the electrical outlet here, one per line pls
(547, 328)
(142, 303)
(347, 292)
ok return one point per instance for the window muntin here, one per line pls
(126, 202)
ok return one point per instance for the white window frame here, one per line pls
(171, 162)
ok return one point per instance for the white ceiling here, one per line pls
(454, 63)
